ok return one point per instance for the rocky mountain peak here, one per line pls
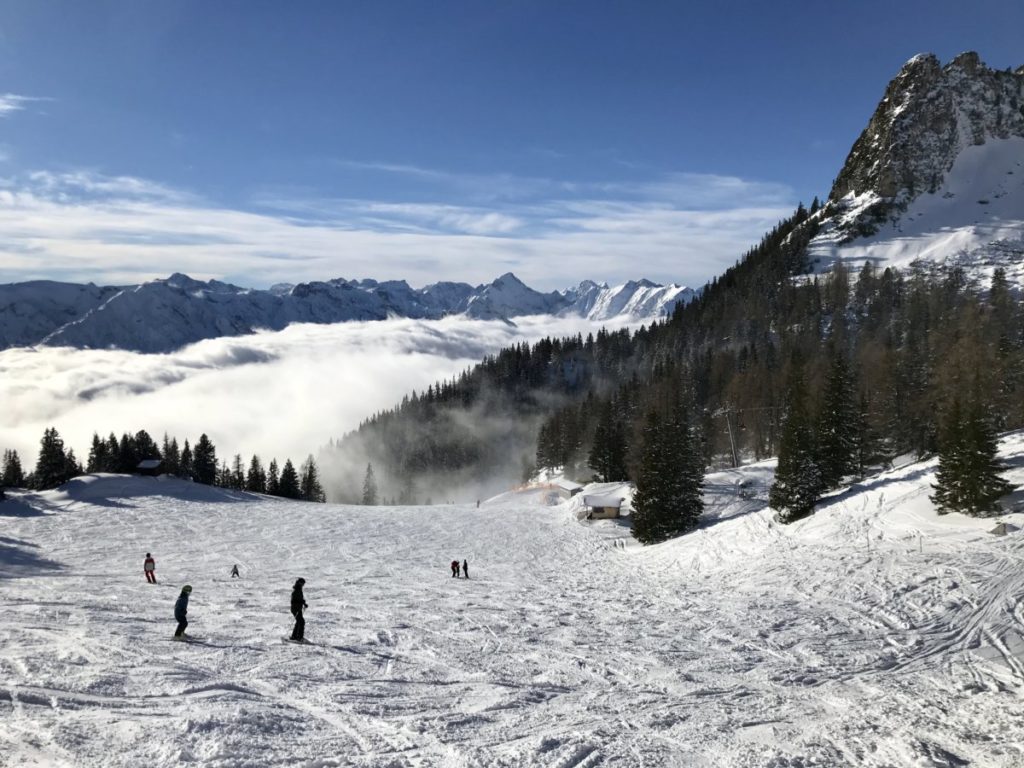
(928, 114)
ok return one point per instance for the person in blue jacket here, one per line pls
(181, 610)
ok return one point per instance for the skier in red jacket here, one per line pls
(149, 566)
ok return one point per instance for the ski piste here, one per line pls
(713, 643)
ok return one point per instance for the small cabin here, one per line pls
(567, 488)
(602, 507)
(150, 467)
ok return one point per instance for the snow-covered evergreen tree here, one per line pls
(273, 478)
(13, 474)
(256, 478)
(968, 479)
(668, 500)
(838, 425)
(186, 467)
(52, 465)
(204, 461)
(797, 483)
(370, 487)
(309, 485)
(608, 453)
(288, 483)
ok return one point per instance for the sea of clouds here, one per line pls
(276, 394)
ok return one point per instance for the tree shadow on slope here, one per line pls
(18, 508)
(112, 490)
(18, 560)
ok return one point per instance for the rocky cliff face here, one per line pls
(928, 115)
(936, 179)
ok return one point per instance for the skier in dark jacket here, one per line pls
(181, 610)
(298, 603)
(455, 569)
(234, 571)
(465, 569)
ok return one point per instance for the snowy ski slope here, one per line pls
(873, 634)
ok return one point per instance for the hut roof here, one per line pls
(568, 485)
(602, 501)
(149, 464)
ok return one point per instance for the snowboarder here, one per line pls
(181, 611)
(298, 603)
(465, 569)
(455, 569)
(234, 571)
(149, 567)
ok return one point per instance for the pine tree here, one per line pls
(224, 477)
(72, 467)
(145, 447)
(128, 457)
(968, 478)
(797, 483)
(369, 487)
(669, 499)
(288, 485)
(309, 486)
(52, 464)
(186, 468)
(97, 460)
(204, 461)
(608, 453)
(256, 478)
(838, 426)
(237, 473)
(13, 474)
(273, 479)
(172, 456)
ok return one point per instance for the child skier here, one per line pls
(149, 567)
(181, 611)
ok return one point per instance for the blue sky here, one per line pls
(261, 142)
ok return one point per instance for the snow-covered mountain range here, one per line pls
(162, 315)
(937, 176)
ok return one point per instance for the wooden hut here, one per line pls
(567, 488)
(150, 467)
(602, 507)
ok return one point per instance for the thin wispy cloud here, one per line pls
(86, 226)
(12, 102)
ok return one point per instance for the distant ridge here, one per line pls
(166, 314)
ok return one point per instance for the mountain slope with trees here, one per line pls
(881, 353)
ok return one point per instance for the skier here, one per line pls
(181, 611)
(465, 568)
(298, 603)
(234, 571)
(149, 566)
(455, 569)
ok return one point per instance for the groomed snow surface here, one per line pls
(873, 634)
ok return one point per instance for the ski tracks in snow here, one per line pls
(742, 645)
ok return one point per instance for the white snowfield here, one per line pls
(873, 634)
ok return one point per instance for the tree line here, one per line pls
(57, 463)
